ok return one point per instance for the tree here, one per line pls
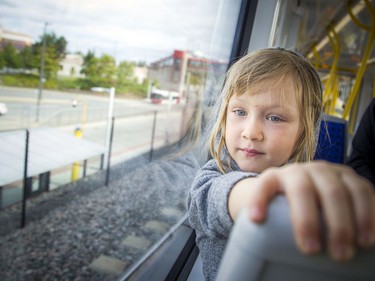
(98, 71)
(90, 70)
(107, 70)
(2, 61)
(54, 52)
(141, 64)
(27, 58)
(10, 57)
(58, 44)
(124, 73)
(89, 67)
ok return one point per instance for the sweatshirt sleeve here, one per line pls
(207, 200)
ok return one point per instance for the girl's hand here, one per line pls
(345, 200)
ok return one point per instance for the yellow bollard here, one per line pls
(75, 168)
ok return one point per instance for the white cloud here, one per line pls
(127, 29)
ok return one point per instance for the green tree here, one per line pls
(107, 70)
(54, 52)
(27, 58)
(124, 73)
(2, 61)
(90, 64)
(90, 70)
(99, 72)
(11, 57)
(141, 64)
(58, 44)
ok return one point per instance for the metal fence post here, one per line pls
(153, 135)
(109, 153)
(23, 216)
(84, 168)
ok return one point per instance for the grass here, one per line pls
(131, 90)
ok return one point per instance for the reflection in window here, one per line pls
(166, 60)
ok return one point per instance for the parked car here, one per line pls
(3, 108)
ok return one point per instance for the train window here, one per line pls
(100, 97)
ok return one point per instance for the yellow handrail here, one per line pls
(362, 68)
(329, 97)
(335, 95)
(352, 120)
(316, 57)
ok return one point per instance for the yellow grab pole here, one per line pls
(329, 85)
(316, 57)
(336, 81)
(352, 120)
(362, 68)
(335, 95)
(75, 167)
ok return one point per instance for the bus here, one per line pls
(165, 97)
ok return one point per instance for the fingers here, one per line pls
(337, 209)
(348, 208)
(304, 211)
(360, 190)
(265, 188)
(297, 186)
(345, 200)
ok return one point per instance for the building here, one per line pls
(18, 40)
(71, 66)
(140, 74)
(185, 72)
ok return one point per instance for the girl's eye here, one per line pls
(274, 118)
(239, 112)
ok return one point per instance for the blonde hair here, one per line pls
(272, 66)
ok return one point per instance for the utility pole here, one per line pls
(41, 74)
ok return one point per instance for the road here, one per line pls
(133, 134)
(56, 108)
(134, 119)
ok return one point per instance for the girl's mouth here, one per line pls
(251, 152)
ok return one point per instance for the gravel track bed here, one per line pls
(68, 228)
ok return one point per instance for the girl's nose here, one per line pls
(253, 130)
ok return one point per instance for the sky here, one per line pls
(132, 30)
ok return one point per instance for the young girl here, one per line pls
(266, 126)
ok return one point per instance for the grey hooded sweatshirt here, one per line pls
(207, 205)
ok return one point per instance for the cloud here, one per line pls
(143, 30)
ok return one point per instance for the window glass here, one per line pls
(99, 102)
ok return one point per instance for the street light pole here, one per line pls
(109, 123)
(41, 75)
(111, 91)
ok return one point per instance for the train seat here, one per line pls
(332, 142)
(267, 252)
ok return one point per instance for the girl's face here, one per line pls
(262, 128)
